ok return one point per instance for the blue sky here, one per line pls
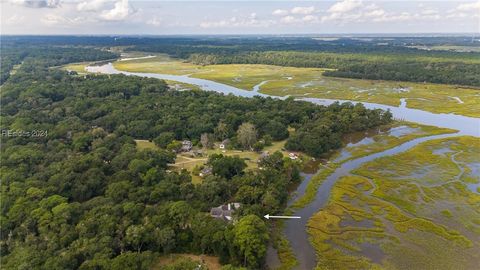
(237, 17)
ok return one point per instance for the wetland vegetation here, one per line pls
(392, 207)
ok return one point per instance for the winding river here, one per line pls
(295, 230)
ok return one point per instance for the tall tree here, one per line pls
(221, 131)
(247, 135)
(226, 166)
(206, 140)
(251, 238)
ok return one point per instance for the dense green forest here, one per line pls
(78, 194)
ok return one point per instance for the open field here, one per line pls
(145, 144)
(359, 145)
(415, 210)
(248, 76)
(159, 64)
(309, 82)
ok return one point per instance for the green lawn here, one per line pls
(145, 144)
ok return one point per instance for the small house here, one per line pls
(224, 212)
(293, 156)
(186, 146)
(205, 172)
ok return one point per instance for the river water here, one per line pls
(295, 230)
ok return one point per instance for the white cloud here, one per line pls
(288, 19)
(346, 11)
(120, 11)
(251, 20)
(15, 20)
(54, 20)
(457, 15)
(464, 10)
(154, 21)
(474, 6)
(303, 10)
(374, 13)
(345, 6)
(310, 18)
(280, 12)
(402, 17)
(37, 3)
(429, 12)
(355, 11)
(91, 5)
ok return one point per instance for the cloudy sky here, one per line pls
(160, 17)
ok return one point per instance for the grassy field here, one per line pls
(159, 64)
(310, 82)
(185, 161)
(414, 210)
(77, 67)
(145, 144)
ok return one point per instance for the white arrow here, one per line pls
(267, 216)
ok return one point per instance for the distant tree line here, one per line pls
(85, 197)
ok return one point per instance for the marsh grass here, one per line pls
(381, 142)
(405, 214)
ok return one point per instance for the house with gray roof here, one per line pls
(225, 211)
